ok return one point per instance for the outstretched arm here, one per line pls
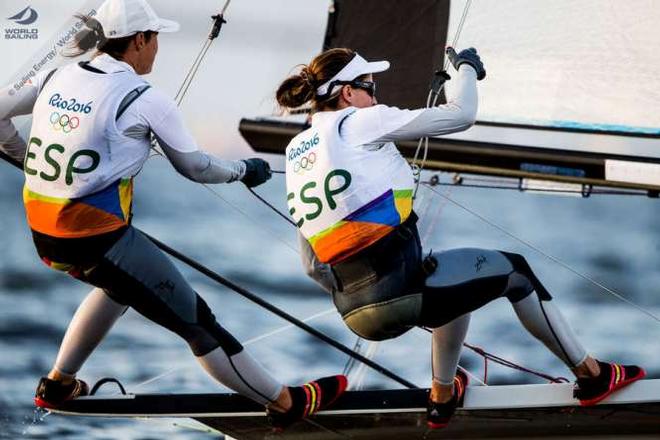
(166, 122)
(15, 103)
(458, 114)
(380, 124)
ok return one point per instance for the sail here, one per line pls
(570, 95)
(589, 65)
(380, 30)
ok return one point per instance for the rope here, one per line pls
(218, 21)
(432, 100)
(249, 217)
(265, 202)
(244, 343)
(499, 360)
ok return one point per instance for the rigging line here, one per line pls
(188, 74)
(260, 302)
(267, 203)
(277, 311)
(249, 217)
(195, 68)
(431, 101)
(244, 343)
(548, 256)
(218, 21)
(504, 362)
(468, 372)
(468, 3)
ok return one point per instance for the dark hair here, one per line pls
(94, 38)
(300, 88)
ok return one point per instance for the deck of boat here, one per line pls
(490, 412)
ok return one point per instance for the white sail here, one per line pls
(588, 64)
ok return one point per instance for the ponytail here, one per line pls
(296, 90)
(300, 88)
(90, 38)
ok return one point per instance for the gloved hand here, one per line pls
(257, 171)
(468, 56)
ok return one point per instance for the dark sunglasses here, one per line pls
(367, 86)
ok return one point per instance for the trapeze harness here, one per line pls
(351, 198)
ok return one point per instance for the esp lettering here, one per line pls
(334, 183)
(50, 157)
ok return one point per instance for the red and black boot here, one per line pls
(439, 414)
(52, 393)
(612, 377)
(308, 399)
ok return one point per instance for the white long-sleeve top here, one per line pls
(380, 124)
(153, 112)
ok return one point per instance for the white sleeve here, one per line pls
(15, 103)
(380, 124)
(160, 113)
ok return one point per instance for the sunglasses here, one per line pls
(367, 86)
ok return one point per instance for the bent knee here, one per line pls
(522, 280)
(206, 334)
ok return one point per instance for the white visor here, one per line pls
(121, 18)
(356, 67)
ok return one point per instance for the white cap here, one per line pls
(356, 67)
(121, 18)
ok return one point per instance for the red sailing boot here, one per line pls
(308, 399)
(612, 377)
(439, 414)
(51, 393)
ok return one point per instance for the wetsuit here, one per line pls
(90, 136)
(350, 194)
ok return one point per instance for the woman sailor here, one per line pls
(90, 136)
(350, 194)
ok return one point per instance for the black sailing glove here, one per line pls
(467, 56)
(257, 171)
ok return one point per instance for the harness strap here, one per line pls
(85, 65)
(130, 98)
(49, 75)
(368, 265)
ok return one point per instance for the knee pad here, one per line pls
(206, 334)
(520, 288)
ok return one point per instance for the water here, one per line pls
(614, 239)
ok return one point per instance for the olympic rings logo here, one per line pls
(305, 163)
(64, 122)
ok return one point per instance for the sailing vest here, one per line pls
(344, 197)
(78, 166)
